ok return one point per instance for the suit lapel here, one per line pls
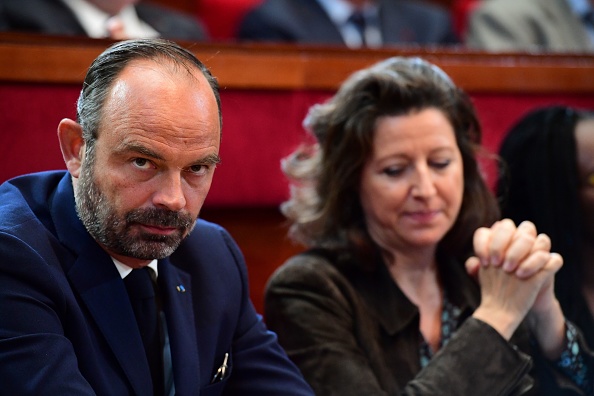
(176, 292)
(94, 277)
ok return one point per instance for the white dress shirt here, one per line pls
(94, 20)
(340, 11)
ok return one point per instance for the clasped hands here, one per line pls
(516, 270)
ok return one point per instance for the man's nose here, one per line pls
(169, 192)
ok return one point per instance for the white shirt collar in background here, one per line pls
(93, 20)
(340, 11)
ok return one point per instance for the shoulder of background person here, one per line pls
(171, 24)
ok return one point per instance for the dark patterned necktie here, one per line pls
(358, 21)
(588, 18)
(143, 295)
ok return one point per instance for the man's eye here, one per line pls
(198, 169)
(141, 163)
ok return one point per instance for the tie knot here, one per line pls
(139, 283)
(358, 20)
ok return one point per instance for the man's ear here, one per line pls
(71, 144)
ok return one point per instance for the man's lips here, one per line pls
(161, 230)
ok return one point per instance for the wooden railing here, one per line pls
(31, 58)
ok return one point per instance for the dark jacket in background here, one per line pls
(306, 22)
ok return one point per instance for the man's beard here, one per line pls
(115, 232)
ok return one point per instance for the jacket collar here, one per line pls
(394, 310)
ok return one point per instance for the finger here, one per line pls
(533, 264)
(527, 227)
(481, 239)
(521, 246)
(502, 235)
(555, 262)
(472, 266)
(542, 242)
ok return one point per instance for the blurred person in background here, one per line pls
(116, 19)
(354, 23)
(547, 177)
(541, 25)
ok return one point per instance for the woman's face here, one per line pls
(412, 185)
(584, 136)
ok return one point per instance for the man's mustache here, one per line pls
(160, 218)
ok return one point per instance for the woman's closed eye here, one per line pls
(394, 171)
(441, 164)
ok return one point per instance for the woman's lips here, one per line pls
(423, 216)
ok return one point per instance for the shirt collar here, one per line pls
(124, 270)
(580, 7)
(339, 11)
(93, 20)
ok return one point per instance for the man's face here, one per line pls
(140, 191)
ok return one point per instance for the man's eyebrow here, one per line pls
(212, 159)
(140, 149)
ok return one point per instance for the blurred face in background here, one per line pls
(584, 136)
(412, 185)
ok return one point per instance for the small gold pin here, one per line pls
(181, 288)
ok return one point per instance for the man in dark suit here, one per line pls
(117, 19)
(354, 23)
(140, 158)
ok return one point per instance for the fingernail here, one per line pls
(508, 265)
(494, 260)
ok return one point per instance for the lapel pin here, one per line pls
(181, 288)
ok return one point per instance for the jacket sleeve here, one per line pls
(36, 358)
(311, 308)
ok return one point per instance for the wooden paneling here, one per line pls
(284, 67)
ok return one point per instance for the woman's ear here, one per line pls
(71, 144)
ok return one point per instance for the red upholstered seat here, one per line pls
(222, 17)
(461, 10)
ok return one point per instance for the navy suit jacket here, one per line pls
(67, 326)
(306, 22)
(54, 17)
